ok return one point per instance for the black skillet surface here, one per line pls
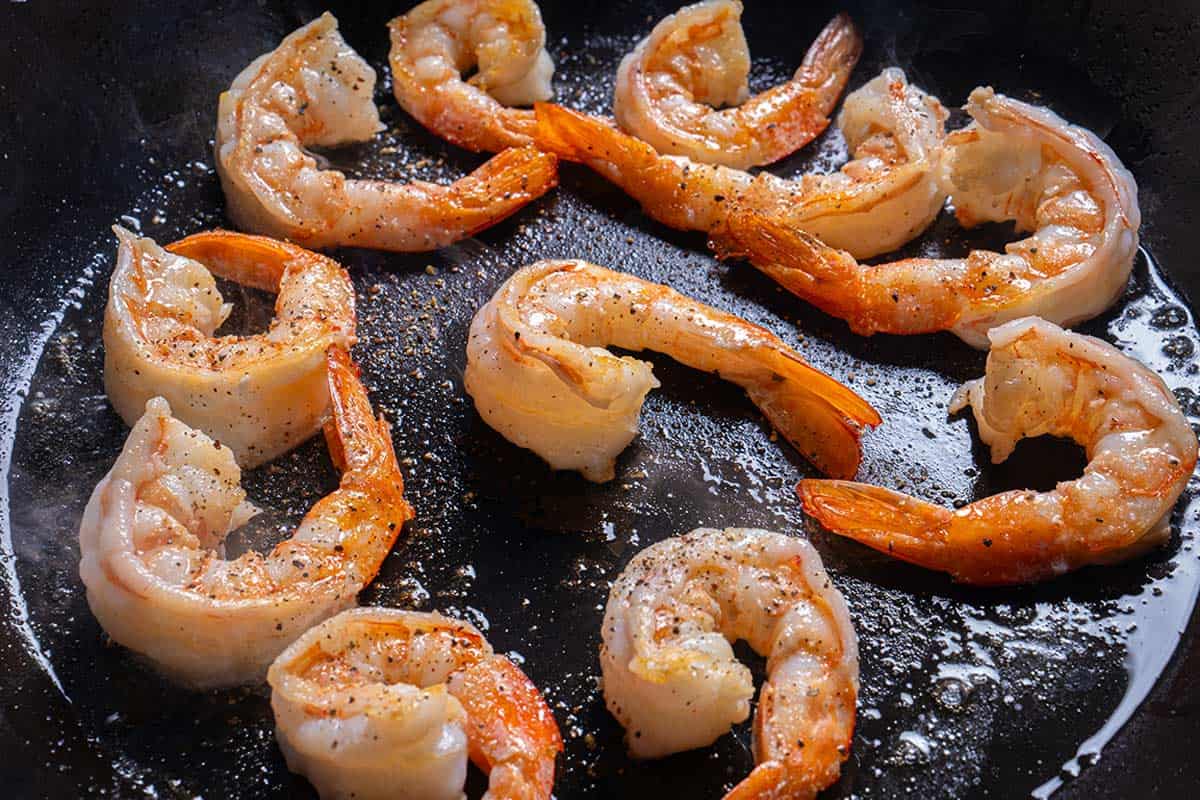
(107, 114)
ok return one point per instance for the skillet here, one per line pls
(1086, 686)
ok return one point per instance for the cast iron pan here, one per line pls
(107, 114)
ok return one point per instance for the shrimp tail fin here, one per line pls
(585, 139)
(783, 119)
(518, 757)
(888, 521)
(822, 418)
(360, 444)
(503, 185)
(774, 780)
(798, 261)
(831, 58)
(658, 183)
(255, 261)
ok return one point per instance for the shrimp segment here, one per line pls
(439, 40)
(885, 196)
(383, 703)
(670, 675)
(1016, 162)
(152, 533)
(313, 90)
(1040, 380)
(697, 58)
(260, 395)
(538, 374)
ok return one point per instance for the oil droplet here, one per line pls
(912, 749)
(1178, 347)
(952, 694)
(1169, 317)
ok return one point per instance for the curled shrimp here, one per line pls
(313, 90)
(697, 58)
(539, 375)
(152, 533)
(1015, 162)
(383, 703)
(670, 675)
(885, 196)
(439, 40)
(1040, 380)
(260, 395)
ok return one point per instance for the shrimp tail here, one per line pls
(798, 772)
(584, 139)
(823, 419)
(890, 522)
(502, 186)
(831, 58)
(828, 278)
(658, 183)
(255, 261)
(798, 261)
(360, 445)
(793, 114)
(512, 737)
(775, 780)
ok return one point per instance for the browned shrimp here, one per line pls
(671, 676)
(539, 375)
(1016, 162)
(672, 89)
(438, 40)
(151, 542)
(886, 195)
(314, 90)
(383, 703)
(1040, 380)
(261, 395)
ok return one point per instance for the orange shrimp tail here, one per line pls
(796, 260)
(831, 58)
(574, 136)
(800, 772)
(890, 522)
(360, 444)
(774, 780)
(659, 184)
(793, 114)
(786, 117)
(829, 278)
(822, 418)
(255, 261)
(512, 735)
(502, 186)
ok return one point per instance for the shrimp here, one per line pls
(887, 195)
(438, 40)
(1040, 380)
(1015, 162)
(697, 58)
(539, 375)
(670, 675)
(151, 543)
(313, 90)
(260, 395)
(383, 703)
